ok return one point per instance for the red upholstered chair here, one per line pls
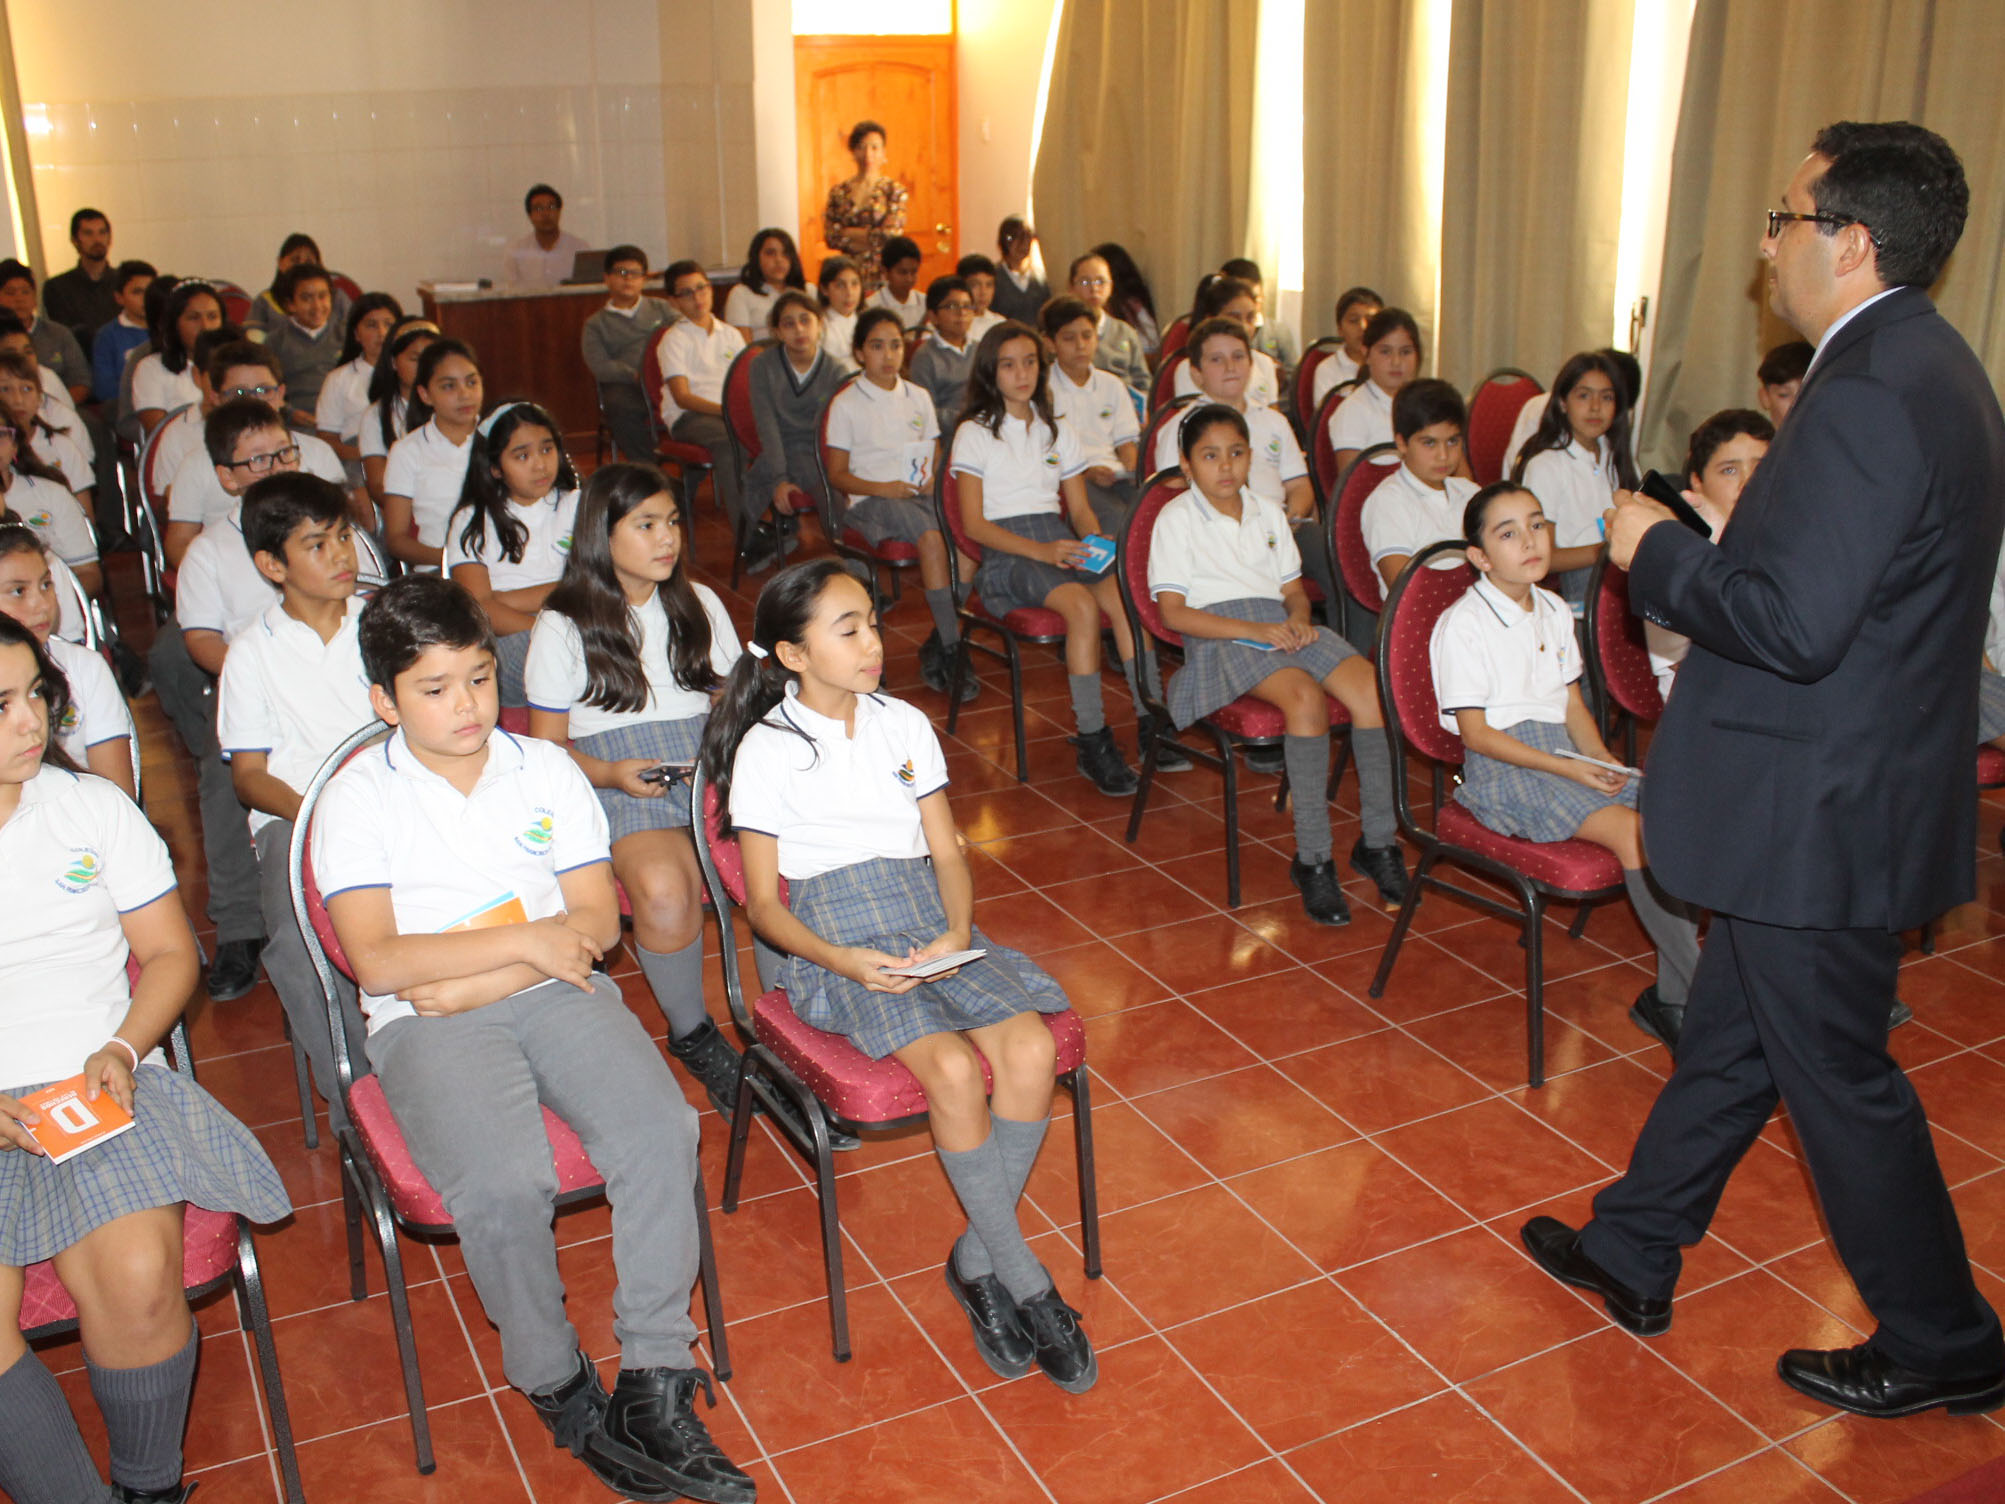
(1152, 431)
(1163, 385)
(377, 1171)
(236, 302)
(894, 556)
(1618, 657)
(1493, 413)
(743, 428)
(1303, 405)
(1245, 722)
(1536, 871)
(1371, 469)
(1322, 456)
(805, 1076)
(1174, 338)
(1990, 768)
(689, 462)
(346, 285)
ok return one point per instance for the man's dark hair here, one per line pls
(226, 427)
(541, 190)
(1904, 184)
(1789, 361)
(621, 253)
(899, 248)
(1422, 404)
(78, 219)
(411, 614)
(127, 270)
(275, 507)
(12, 271)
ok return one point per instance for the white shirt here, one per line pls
(748, 309)
(388, 821)
(1277, 458)
(702, 359)
(289, 695)
(75, 856)
(554, 678)
(1405, 514)
(154, 386)
(524, 263)
(344, 397)
(1362, 419)
(70, 623)
(98, 712)
(195, 495)
(1021, 467)
(369, 437)
(888, 435)
(838, 338)
(549, 522)
(836, 800)
(55, 515)
(1493, 655)
(56, 398)
(1100, 414)
(1331, 372)
(1574, 488)
(1522, 428)
(982, 323)
(1263, 383)
(1204, 556)
(218, 587)
(175, 439)
(59, 450)
(911, 313)
(430, 469)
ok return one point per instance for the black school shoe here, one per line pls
(708, 1057)
(1657, 1018)
(1266, 760)
(1385, 866)
(178, 1494)
(1064, 1351)
(763, 550)
(1170, 758)
(999, 1333)
(651, 1426)
(235, 971)
(936, 670)
(1322, 894)
(1100, 764)
(573, 1412)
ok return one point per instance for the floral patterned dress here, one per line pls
(878, 209)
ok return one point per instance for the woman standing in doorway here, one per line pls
(866, 210)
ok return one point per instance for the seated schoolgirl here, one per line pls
(1095, 405)
(1091, 281)
(86, 884)
(772, 265)
(1423, 501)
(623, 663)
(35, 493)
(391, 382)
(344, 396)
(1224, 572)
(56, 439)
(1722, 457)
(1392, 358)
(1507, 679)
(791, 383)
(509, 537)
(842, 792)
(841, 284)
(426, 468)
(1575, 460)
(1022, 492)
(883, 450)
(161, 381)
(1130, 299)
(1356, 307)
(96, 733)
(1223, 297)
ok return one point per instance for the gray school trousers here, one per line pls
(291, 969)
(708, 430)
(468, 1089)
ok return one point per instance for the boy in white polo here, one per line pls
(695, 354)
(1422, 503)
(468, 877)
(292, 691)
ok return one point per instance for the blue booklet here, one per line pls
(1100, 553)
(1254, 642)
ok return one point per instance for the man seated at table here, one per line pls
(544, 256)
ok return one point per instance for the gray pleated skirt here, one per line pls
(1990, 707)
(1526, 802)
(1218, 671)
(894, 906)
(1011, 582)
(886, 519)
(182, 1147)
(663, 741)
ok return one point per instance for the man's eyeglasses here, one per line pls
(263, 464)
(1777, 218)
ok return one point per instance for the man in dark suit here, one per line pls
(1811, 781)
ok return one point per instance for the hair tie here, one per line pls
(755, 650)
(487, 424)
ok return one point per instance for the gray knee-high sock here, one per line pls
(145, 1411)
(43, 1459)
(1088, 710)
(941, 603)
(1018, 1142)
(1307, 759)
(676, 978)
(1373, 760)
(981, 1180)
(1671, 930)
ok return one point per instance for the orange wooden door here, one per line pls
(906, 84)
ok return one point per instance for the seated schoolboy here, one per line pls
(292, 690)
(1722, 457)
(181, 435)
(1423, 503)
(1507, 678)
(979, 272)
(695, 355)
(268, 308)
(615, 341)
(940, 365)
(900, 292)
(1020, 291)
(791, 383)
(125, 333)
(840, 281)
(1095, 405)
(306, 343)
(96, 732)
(55, 346)
(1091, 281)
(1224, 297)
(1781, 376)
(1270, 337)
(467, 876)
(1355, 309)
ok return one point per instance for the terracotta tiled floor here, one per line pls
(1309, 1201)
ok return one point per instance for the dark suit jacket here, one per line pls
(1815, 765)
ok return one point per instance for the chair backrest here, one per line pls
(1618, 653)
(739, 420)
(1164, 385)
(831, 503)
(1493, 413)
(1152, 431)
(653, 383)
(947, 507)
(1131, 564)
(1405, 663)
(236, 302)
(346, 285)
(1370, 470)
(1323, 454)
(1174, 338)
(1305, 378)
(153, 486)
(723, 867)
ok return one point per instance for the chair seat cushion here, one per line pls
(208, 1252)
(862, 1090)
(1990, 768)
(683, 453)
(411, 1195)
(890, 551)
(1027, 621)
(1255, 718)
(1569, 866)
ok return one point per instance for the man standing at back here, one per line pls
(83, 298)
(1811, 782)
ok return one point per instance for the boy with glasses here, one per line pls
(940, 366)
(695, 353)
(615, 342)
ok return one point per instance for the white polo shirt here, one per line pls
(549, 522)
(1523, 427)
(554, 678)
(524, 262)
(430, 469)
(58, 449)
(748, 309)
(982, 323)
(1331, 372)
(289, 695)
(1263, 383)
(75, 856)
(1100, 414)
(344, 397)
(1493, 655)
(175, 439)
(56, 399)
(153, 385)
(1277, 458)
(888, 435)
(838, 338)
(911, 313)
(70, 623)
(1574, 488)
(388, 821)
(1405, 514)
(834, 800)
(1204, 556)
(195, 495)
(1021, 467)
(98, 712)
(218, 587)
(702, 359)
(369, 436)
(1362, 419)
(55, 515)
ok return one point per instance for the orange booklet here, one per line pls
(71, 1125)
(506, 909)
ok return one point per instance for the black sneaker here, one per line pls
(708, 1057)
(1385, 866)
(651, 1426)
(1901, 1014)
(1064, 1351)
(1658, 1019)
(1322, 894)
(1266, 760)
(235, 970)
(574, 1412)
(999, 1335)
(1170, 758)
(178, 1494)
(788, 526)
(936, 669)
(762, 549)
(1100, 764)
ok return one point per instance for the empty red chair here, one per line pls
(1362, 581)
(1493, 412)
(1163, 385)
(1175, 337)
(1304, 397)
(1623, 684)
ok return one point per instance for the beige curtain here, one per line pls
(1532, 193)
(1148, 128)
(1365, 218)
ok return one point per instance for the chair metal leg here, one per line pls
(400, 1321)
(1414, 892)
(1231, 818)
(257, 1317)
(309, 1125)
(713, 1296)
(1579, 926)
(351, 1214)
(1014, 657)
(1079, 1082)
(831, 1228)
(741, 1127)
(1535, 1007)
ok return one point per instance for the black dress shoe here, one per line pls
(1322, 895)
(1867, 1382)
(180, 1493)
(651, 1426)
(573, 1411)
(1901, 1014)
(1386, 867)
(999, 1337)
(235, 971)
(1555, 1248)
(1064, 1351)
(1658, 1019)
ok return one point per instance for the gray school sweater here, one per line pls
(788, 409)
(616, 343)
(942, 373)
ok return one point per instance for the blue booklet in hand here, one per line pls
(1100, 554)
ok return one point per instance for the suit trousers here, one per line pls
(1800, 1016)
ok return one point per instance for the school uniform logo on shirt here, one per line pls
(564, 544)
(1106, 412)
(69, 721)
(85, 868)
(1051, 460)
(40, 519)
(908, 775)
(541, 831)
(1274, 449)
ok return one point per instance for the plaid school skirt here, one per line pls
(182, 1146)
(1218, 670)
(1011, 582)
(662, 741)
(1526, 802)
(1990, 707)
(894, 906)
(890, 519)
